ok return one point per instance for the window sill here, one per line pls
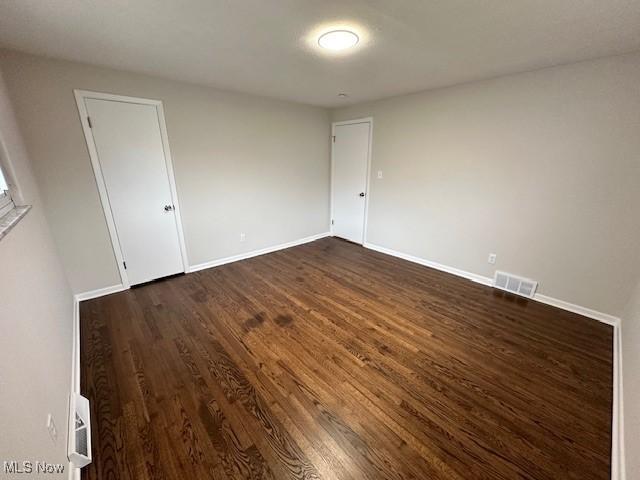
(11, 219)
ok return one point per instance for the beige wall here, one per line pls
(542, 168)
(242, 163)
(36, 315)
(631, 381)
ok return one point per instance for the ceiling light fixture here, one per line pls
(338, 40)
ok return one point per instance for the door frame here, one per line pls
(80, 96)
(368, 120)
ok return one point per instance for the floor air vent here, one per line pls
(514, 284)
(79, 448)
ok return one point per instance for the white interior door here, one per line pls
(349, 185)
(132, 161)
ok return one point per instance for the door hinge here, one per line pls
(89, 122)
(332, 222)
(125, 265)
(334, 139)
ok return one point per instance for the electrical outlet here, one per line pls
(243, 237)
(51, 427)
(492, 258)
(379, 173)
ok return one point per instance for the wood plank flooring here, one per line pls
(330, 361)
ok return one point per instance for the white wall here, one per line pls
(542, 168)
(36, 314)
(242, 163)
(631, 381)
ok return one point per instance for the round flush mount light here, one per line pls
(338, 40)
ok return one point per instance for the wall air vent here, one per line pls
(79, 448)
(514, 284)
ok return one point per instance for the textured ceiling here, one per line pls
(268, 47)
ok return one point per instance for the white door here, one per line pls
(349, 186)
(132, 161)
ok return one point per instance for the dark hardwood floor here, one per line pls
(331, 361)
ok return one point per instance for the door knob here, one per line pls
(362, 194)
(168, 208)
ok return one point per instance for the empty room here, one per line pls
(341, 240)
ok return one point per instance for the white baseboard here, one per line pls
(100, 292)
(74, 473)
(75, 362)
(587, 312)
(255, 253)
(580, 310)
(618, 471)
(428, 263)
